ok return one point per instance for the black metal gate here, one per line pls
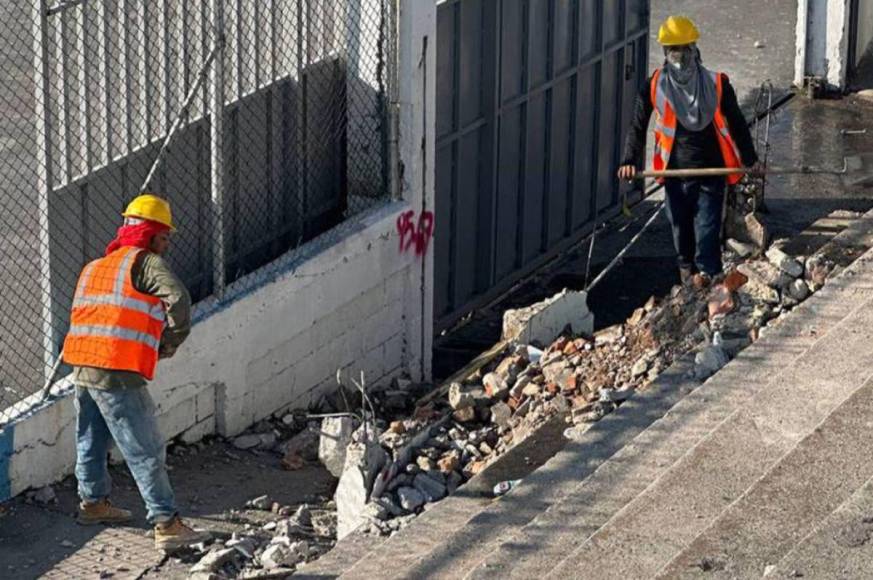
(533, 100)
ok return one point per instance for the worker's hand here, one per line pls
(627, 172)
(758, 170)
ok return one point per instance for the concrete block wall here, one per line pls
(362, 302)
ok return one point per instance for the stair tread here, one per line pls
(546, 540)
(648, 532)
(785, 505)
(841, 547)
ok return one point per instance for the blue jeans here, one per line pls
(695, 208)
(126, 415)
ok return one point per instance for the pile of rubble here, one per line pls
(583, 378)
(271, 549)
(393, 459)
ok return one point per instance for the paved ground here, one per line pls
(46, 542)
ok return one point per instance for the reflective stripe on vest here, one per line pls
(666, 124)
(115, 332)
(113, 325)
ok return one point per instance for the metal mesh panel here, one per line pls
(94, 91)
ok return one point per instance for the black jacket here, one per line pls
(691, 149)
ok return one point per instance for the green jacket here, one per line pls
(151, 275)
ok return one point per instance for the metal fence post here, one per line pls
(216, 94)
(45, 176)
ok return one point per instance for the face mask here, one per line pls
(680, 59)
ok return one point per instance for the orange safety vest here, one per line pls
(665, 129)
(113, 325)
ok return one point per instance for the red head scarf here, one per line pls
(137, 233)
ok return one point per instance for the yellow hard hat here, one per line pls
(678, 30)
(151, 207)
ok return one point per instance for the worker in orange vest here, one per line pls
(698, 125)
(129, 310)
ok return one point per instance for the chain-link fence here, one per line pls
(90, 92)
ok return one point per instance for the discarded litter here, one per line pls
(505, 487)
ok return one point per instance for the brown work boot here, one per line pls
(101, 512)
(174, 534)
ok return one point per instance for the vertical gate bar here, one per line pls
(301, 129)
(168, 63)
(125, 70)
(45, 173)
(547, 128)
(574, 136)
(273, 35)
(454, 246)
(104, 16)
(495, 114)
(238, 69)
(144, 73)
(257, 45)
(393, 102)
(216, 85)
(523, 135)
(82, 66)
(63, 75)
(100, 110)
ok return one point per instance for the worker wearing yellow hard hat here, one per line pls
(129, 310)
(151, 207)
(698, 125)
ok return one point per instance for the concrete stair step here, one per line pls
(790, 501)
(651, 530)
(841, 547)
(548, 538)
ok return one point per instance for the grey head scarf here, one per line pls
(689, 87)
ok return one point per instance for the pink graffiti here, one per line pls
(415, 236)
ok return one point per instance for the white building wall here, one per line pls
(823, 39)
(361, 303)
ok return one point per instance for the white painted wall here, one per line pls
(355, 304)
(823, 39)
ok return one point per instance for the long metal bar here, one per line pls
(217, 100)
(62, 5)
(625, 250)
(183, 114)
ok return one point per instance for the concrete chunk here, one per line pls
(336, 434)
(544, 321)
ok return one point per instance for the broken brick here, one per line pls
(559, 345)
(721, 301)
(571, 349)
(735, 280)
(397, 427)
(449, 463)
(571, 384)
(495, 386)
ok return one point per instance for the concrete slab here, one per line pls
(568, 523)
(760, 528)
(647, 533)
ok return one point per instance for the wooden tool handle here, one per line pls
(707, 172)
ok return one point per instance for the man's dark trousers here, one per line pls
(695, 208)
